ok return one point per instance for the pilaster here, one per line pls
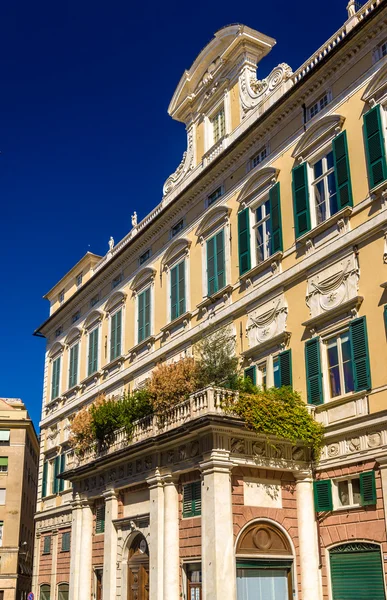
(218, 561)
(54, 562)
(382, 461)
(110, 546)
(76, 544)
(307, 535)
(171, 538)
(36, 565)
(86, 538)
(156, 545)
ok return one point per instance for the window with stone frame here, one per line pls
(324, 189)
(340, 370)
(218, 123)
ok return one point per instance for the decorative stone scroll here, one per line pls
(333, 285)
(184, 167)
(267, 321)
(254, 91)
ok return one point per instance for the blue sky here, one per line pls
(85, 137)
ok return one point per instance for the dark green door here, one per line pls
(357, 572)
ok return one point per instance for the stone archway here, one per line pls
(138, 569)
(264, 561)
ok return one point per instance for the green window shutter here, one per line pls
(144, 315)
(276, 221)
(62, 468)
(313, 371)
(323, 495)
(285, 366)
(301, 199)
(359, 350)
(73, 372)
(375, 147)
(44, 479)
(93, 352)
(66, 541)
(100, 519)
(55, 378)
(211, 266)
(250, 373)
(55, 481)
(367, 488)
(3, 461)
(342, 171)
(244, 241)
(178, 290)
(147, 309)
(220, 266)
(192, 502)
(115, 335)
(47, 544)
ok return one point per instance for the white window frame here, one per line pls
(5, 496)
(180, 258)
(261, 198)
(1, 532)
(317, 102)
(258, 155)
(321, 155)
(60, 388)
(207, 203)
(380, 51)
(223, 103)
(61, 297)
(140, 264)
(174, 235)
(335, 492)
(325, 366)
(227, 253)
(90, 331)
(79, 280)
(268, 363)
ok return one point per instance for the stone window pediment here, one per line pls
(215, 217)
(92, 319)
(176, 250)
(56, 349)
(73, 335)
(317, 135)
(376, 90)
(143, 278)
(114, 301)
(259, 183)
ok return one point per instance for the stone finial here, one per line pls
(134, 219)
(111, 244)
(351, 8)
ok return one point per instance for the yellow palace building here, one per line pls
(275, 225)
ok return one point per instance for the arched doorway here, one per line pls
(138, 569)
(357, 572)
(264, 563)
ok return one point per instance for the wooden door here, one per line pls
(138, 588)
(98, 577)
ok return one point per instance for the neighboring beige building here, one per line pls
(275, 224)
(19, 455)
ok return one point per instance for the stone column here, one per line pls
(84, 588)
(383, 476)
(307, 536)
(171, 539)
(156, 542)
(36, 565)
(218, 559)
(54, 561)
(110, 546)
(76, 544)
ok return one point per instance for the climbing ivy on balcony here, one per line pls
(278, 412)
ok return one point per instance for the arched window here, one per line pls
(264, 564)
(63, 591)
(45, 592)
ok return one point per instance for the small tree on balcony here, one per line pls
(172, 383)
(217, 361)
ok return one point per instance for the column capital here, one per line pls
(169, 479)
(303, 476)
(110, 495)
(382, 462)
(217, 461)
(155, 480)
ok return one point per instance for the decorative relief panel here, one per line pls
(362, 443)
(254, 91)
(262, 492)
(267, 321)
(332, 286)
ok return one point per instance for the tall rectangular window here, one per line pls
(144, 315)
(4, 464)
(218, 125)
(55, 378)
(66, 541)
(2, 495)
(178, 290)
(73, 366)
(192, 499)
(79, 280)
(263, 231)
(93, 352)
(216, 273)
(115, 335)
(100, 519)
(340, 367)
(1, 532)
(47, 544)
(324, 187)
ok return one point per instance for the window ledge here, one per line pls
(184, 318)
(147, 343)
(337, 509)
(272, 261)
(87, 380)
(336, 219)
(225, 292)
(378, 190)
(338, 400)
(282, 339)
(346, 310)
(71, 391)
(117, 362)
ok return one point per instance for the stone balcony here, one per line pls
(205, 403)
